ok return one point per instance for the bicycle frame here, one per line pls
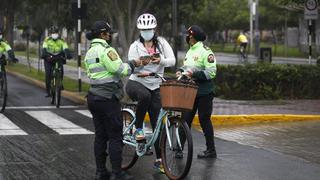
(163, 115)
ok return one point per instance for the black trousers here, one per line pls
(148, 101)
(108, 126)
(48, 67)
(204, 106)
(244, 52)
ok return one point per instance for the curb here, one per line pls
(246, 119)
(217, 120)
(72, 96)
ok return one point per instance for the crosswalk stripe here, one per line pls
(85, 113)
(57, 123)
(42, 107)
(9, 128)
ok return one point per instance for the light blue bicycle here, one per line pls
(174, 135)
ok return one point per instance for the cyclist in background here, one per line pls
(242, 41)
(6, 48)
(200, 65)
(53, 45)
(156, 54)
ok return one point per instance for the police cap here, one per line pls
(197, 32)
(101, 26)
(53, 29)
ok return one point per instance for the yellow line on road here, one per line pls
(223, 120)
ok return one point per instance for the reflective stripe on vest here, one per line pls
(104, 80)
(97, 69)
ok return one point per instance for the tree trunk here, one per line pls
(9, 23)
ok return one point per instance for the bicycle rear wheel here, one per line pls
(181, 141)
(129, 155)
(3, 89)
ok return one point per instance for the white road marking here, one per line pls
(8, 128)
(42, 107)
(85, 113)
(57, 123)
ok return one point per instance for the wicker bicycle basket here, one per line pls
(178, 96)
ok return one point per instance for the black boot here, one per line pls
(207, 154)
(121, 176)
(102, 175)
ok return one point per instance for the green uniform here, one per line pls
(202, 62)
(54, 46)
(105, 68)
(4, 47)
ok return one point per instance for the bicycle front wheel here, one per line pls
(176, 149)
(58, 92)
(3, 90)
(129, 155)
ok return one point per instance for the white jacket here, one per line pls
(167, 59)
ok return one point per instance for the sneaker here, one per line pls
(158, 166)
(179, 155)
(139, 134)
(207, 154)
(121, 176)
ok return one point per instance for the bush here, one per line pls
(268, 81)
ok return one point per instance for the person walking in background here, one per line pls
(200, 65)
(156, 54)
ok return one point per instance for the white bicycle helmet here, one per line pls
(146, 21)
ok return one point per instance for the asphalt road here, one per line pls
(40, 142)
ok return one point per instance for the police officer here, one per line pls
(200, 65)
(104, 69)
(53, 45)
(6, 48)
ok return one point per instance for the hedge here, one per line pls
(268, 81)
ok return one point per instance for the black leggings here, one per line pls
(148, 101)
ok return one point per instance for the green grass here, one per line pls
(24, 53)
(277, 50)
(69, 84)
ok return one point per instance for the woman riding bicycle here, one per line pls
(156, 54)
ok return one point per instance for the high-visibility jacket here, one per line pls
(200, 60)
(104, 68)
(54, 46)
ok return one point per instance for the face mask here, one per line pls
(147, 35)
(188, 39)
(1, 37)
(54, 36)
(109, 41)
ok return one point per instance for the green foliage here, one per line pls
(268, 81)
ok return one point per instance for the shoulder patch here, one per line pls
(112, 55)
(211, 58)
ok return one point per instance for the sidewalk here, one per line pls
(225, 112)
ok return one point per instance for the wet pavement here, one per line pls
(277, 151)
(299, 139)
